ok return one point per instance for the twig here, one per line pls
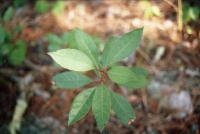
(172, 4)
(180, 14)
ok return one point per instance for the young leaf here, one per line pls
(122, 108)
(117, 48)
(71, 80)
(58, 7)
(101, 105)
(18, 54)
(81, 105)
(140, 82)
(127, 77)
(82, 41)
(8, 14)
(72, 59)
(120, 74)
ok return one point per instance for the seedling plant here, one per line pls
(82, 56)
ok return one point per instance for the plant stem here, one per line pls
(180, 14)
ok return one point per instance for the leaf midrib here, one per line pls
(89, 52)
(82, 105)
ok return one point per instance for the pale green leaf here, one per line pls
(8, 14)
(122, 108)
(101, 105)
(82, 41)
(120, 74)
(130, 78)
(72, 59)
(118, 48)
(71, 80)
(80, 105)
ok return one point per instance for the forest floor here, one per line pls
(171, 102)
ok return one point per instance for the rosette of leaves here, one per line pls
(82, 56)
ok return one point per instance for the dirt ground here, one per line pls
(169, 105)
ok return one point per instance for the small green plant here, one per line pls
(11, 50)
(190, 13)
(8, 14)
(58, 7)
(150, 10)
(82, 56)
(42, 6)
(57, 42)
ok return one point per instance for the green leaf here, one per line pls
(53, 47)
(82, 41)
(130, 78)
(65, 38)
(101, 105)
(71, 80)
(140, 71)
(72, 59)
(18, 54)
(81, 105)
(140, 82)
(19, 3)
(58, 7)
(5, 48)
(54, 39)
(120, 74)
(42, 6)
(54, 42)
(2, 34)
(99, 42)
(8, 14)
(122, 108)
(118, 48)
